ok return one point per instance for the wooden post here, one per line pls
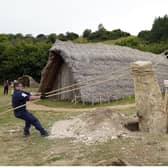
(92, 100)
(148, 98)
(75, 99)
(83, 102)
(108, 97)
(100, 99)
(166, 96)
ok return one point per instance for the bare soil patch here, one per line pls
(99, 125)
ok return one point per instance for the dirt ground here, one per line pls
(100, 125)
(128, 146)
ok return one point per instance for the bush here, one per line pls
(133, 42)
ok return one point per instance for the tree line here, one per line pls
(154, 40)
(25, 54)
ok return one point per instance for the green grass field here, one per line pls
(66, 104)
(36, 150)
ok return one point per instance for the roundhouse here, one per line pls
(86, 65)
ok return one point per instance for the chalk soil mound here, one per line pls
(96, 126)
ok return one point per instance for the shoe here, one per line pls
(26, 134)
(45, 134)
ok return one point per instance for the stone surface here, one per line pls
(148, 97)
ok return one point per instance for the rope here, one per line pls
(66, 91)
(76, 84)
(61, 92)
(106, 74)
(83, 82)
(103, 81)
(23, 105)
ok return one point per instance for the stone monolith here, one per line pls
(148, 98)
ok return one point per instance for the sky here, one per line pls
(61, 16)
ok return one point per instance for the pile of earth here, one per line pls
(95, 126)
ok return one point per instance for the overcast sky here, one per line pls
(59, 16)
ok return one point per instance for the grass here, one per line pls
(35, 151)
(66, 104)
(5, 100)
(16, 150)
(110, 42)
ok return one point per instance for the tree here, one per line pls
(115, 34)
(52, 37)
(101, 27)
(87, 33)
(100, 35)
(71, 36)
(29, 38)
(22, 56)
(62, 37)
(159, 29)
(3, 37)
(19, 36)
(145, 35)
(41, 37)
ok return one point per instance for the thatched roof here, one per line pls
(88, 61)
(28, 81)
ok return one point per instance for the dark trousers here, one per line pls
(5, 90)
(30, 119)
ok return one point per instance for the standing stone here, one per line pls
(148, 98)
